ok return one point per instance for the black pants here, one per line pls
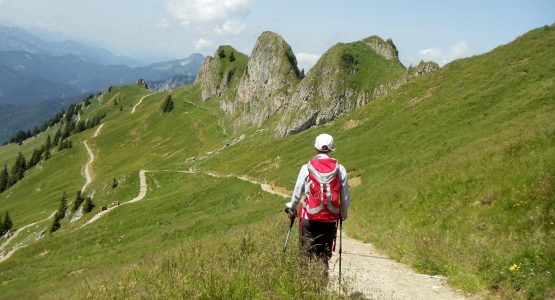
(317, 239)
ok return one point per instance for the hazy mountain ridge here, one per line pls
(33, 70)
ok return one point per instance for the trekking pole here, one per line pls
(340, 247)
(288, 234)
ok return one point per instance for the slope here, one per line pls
(453, 174)
(455, 168)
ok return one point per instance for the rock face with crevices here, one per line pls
(268, 82)
(251, 90)
(345, 77)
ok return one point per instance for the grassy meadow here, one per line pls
(456, 172)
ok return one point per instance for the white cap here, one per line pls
(324, 142)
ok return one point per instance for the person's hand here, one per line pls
(291, 212)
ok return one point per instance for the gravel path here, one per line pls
(139, 103)
(88, 167)
(142, 193)
(367, 274)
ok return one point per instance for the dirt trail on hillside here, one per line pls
(139, 103)
(15, 234)
(143, 188)
(365, 272)
(97, 132)
(88, 167)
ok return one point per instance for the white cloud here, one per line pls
(202, 44)
(163, 23)
(442, 57)
(220, 17)
(306, 60)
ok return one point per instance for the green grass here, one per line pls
(456, 170)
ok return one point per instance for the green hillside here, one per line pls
(456, 172)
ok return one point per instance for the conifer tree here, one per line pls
(77, 202)
(88, 205)
(4, 179)
(7, 224)
(48, 142)
(57, 136)
(1, 227)
(231, 57)
(114, 183)
(55, 225)
(18, 169)
(168, 105)
(46, 155)
(61, 213)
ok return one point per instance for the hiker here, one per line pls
(323, 181)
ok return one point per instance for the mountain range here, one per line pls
(34, 71)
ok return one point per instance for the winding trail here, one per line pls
(15, 234)
(142, 193)
(88, 167)
(97, 132)
(139, 103)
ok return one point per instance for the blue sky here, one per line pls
(161, 29)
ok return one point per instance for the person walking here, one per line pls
(323, 182)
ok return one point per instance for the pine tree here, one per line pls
(1, 227)
(61, 213)
(88, 206)
(4, 179)
(168, 105)
(48, 142)
(18, 169)
(231, 57)
(221, 53)
(7, 224)
(57, 136)
(46, 155)
(78, 200)
(114, 183)
(55, 225)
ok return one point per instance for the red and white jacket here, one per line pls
(302, 187)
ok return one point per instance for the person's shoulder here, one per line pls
(342, 169)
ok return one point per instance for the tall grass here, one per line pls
(243, 263)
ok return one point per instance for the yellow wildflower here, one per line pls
(514, 267)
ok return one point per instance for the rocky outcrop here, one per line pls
(424, 67)
(219, 74)
(269, 80)
(386, 49)
(208, 78)
(142, 82)
(170, 83)
(346, 77)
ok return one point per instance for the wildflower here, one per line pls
(514, 267)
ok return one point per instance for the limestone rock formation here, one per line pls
(269, 80)
(345, 77)
(142, 82)
(422, 68)
(219, 74)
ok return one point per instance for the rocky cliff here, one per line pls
(268, 83)
(344, 78)
(219, 74)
